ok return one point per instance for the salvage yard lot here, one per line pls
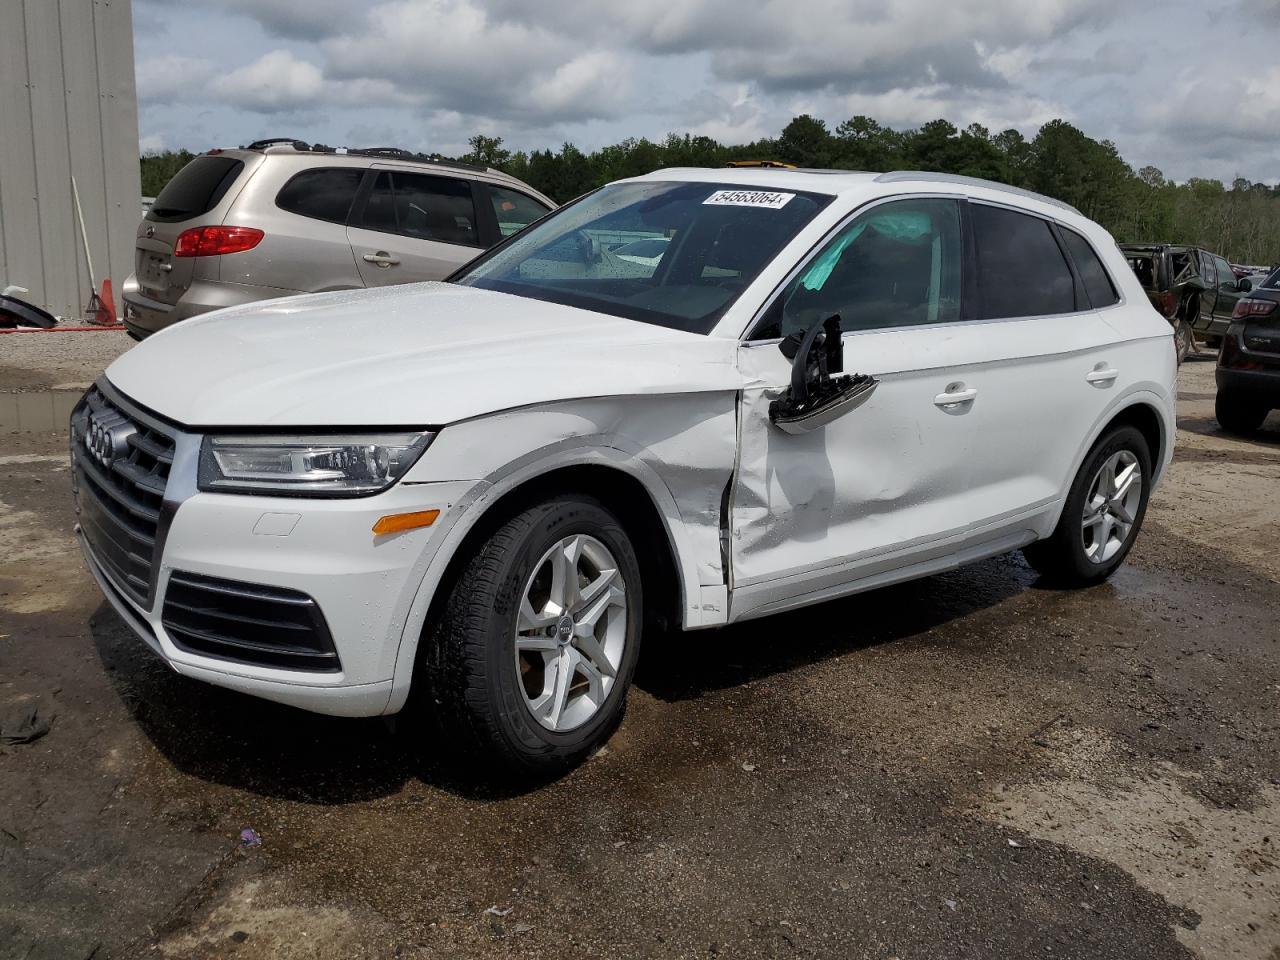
(971, 765)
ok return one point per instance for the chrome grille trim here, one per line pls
(120, 493)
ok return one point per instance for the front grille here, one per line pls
(247, 623)
(120, 490)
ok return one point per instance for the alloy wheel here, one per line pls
(1111, 508)
(571, 632)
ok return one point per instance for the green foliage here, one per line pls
(1240, 222)
(159, 168)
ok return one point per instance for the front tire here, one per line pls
(1238, 414)
(1102, 514)
(529, 665)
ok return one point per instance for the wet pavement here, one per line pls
(972, 765)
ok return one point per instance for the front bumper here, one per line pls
(364, 585)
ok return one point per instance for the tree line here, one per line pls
(1240, 221)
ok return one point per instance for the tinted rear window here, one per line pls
(1021, 269)
(196, 189)
(1097, 283)
(325, 194)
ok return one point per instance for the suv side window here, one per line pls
(1207, 272)
(898, 264)
(421, 206)
(1226, 276)
(1021, 269)
(1097, 282)
(514, 211)
(322, 194)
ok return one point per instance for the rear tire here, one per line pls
(1237, 414)
(1102, 514)
(503, 642)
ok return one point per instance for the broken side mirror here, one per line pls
(820, 391)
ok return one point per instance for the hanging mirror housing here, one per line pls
(820, 391)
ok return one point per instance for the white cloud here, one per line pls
(275, 82)
(431, 72)
(166, 78)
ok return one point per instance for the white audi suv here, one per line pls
(480, 493)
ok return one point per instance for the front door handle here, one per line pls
(381, 258)
(956, 394)
(1102, 375)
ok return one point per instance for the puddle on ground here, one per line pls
(1223, 864)
(41, 411)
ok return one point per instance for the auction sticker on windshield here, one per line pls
(749, 198)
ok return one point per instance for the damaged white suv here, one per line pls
(482, 492)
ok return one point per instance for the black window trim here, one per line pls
(366, 188)
(1082, 292)
(761, 316)
(356, 198)
(1077, 284)
(969, 297)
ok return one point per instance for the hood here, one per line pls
(423, 354)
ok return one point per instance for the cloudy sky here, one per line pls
(1193, 88)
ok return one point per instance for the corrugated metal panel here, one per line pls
(67, 107)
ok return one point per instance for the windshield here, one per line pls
(673, 254)
(1272, 282)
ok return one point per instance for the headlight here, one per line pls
(332, 465)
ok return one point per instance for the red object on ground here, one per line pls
(93, 329)
(104, 313)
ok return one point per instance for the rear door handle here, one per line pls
(381, 258)
(956, 394)
(1102, 375)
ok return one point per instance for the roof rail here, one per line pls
(894, 176)
(277, 141)
(385, 153)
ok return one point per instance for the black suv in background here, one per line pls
(1193, 289)
(1249, 362)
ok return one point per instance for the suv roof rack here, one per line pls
(893, 176)
(276, 141)
(383, 153)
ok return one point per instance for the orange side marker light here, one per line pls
(399, 522)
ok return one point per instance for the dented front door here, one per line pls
(879, 488)
(885, 485)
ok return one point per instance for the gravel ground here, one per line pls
(972, 765)
(57, 361)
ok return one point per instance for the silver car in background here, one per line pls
(278, 218)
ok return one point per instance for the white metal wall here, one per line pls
(67, 107)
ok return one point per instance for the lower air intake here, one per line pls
(247, 623)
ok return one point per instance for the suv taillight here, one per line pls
(1247, 308)
(1168, 303)
(215, 241)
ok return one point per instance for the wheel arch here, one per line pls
(1148, 422)
(625, 487)
(1140, 409)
